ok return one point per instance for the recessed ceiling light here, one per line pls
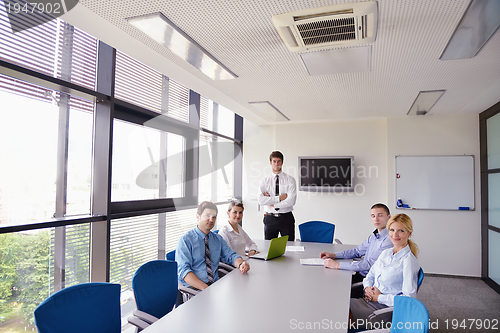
(424, 102)
(269, 111)
(162, 30)
(479, 23)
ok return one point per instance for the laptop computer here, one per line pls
(277, 248)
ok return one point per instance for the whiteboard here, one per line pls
(436, 182)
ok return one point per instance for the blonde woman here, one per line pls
(394, 273)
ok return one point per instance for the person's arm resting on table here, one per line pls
(231, 258)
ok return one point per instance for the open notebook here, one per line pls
(276, 249)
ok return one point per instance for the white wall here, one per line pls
(374, 143)
(449, 241)
(365, 140)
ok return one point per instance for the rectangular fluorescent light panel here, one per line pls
(338, 61)
(162, 30)
(477, 26)
(424, 102)
(268, 111)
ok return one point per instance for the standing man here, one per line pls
(200, 251)
(278, 193)
(371, 248)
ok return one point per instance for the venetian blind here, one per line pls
(178, 101)
(137, 83)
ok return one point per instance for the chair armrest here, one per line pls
(144, 316)
(385, 330)
(226, 267)
(357, 284)
(187, 290)
(337, 241)
(377, 313)
(141, 324)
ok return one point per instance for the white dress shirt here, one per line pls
(238, 241)
(394, 274)
(288, 186)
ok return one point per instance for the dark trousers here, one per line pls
(284, 224)
(358, 291)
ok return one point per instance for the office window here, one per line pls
(47, 47)
(216, 118)
(137, 83)
(216, 171)
(206, 113)
(178, 101)
(490, 194)
(494, 200)
(29, 136)
(225, 122)
(147, 163)
(494, 249)
(493, 138)
(134, 241)
(29, 261)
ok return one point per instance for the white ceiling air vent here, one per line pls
(328, 27)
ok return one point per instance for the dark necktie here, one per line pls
(277, 191)
(209, 264)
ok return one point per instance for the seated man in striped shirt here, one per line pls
(199, 251)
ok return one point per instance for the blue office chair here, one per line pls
(171, 255)
(410, 316)
(155, 291)
(83, 308)
(317, 231)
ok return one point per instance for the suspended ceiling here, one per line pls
(404, 58)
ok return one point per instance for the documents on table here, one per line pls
(295, 249)
(312, 261)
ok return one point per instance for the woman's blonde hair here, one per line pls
(408, 224)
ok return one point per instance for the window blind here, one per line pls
(137, 83)
(178, 101)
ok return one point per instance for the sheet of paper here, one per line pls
(312, 261)
(295, 249)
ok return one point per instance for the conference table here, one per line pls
(278, 295)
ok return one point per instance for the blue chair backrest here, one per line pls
(88, 307)
(409, 315)
(420, 278)
(317, 231)
(171, 255)
(155, 287)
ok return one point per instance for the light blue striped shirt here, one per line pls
(394, 274)
(190, 255)
(371, 249)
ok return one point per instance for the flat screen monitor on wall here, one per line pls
(326, 173)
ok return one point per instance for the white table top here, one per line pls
(279, 295)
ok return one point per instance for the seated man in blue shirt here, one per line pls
(200, 251)
(371, 248)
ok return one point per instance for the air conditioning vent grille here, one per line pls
(328, 31)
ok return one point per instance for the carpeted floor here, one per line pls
(460, 304)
